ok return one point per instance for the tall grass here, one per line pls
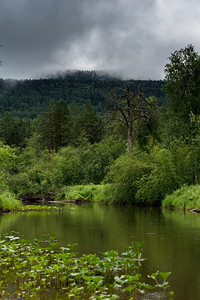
(187, 197)
(9, 202)
(90, 192)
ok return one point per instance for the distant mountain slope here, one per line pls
(28, 98)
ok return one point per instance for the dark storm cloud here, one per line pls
(128, 37)
(32, 31)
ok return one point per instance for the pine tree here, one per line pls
(53, 126)
(91, 123)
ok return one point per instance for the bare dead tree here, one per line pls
(133, 110)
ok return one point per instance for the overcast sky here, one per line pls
(130, 38)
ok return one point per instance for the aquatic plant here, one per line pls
(39, 208)
(42, 270)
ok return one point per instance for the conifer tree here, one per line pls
(53, 126)
(91, 123)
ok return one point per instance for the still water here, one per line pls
(171, 238)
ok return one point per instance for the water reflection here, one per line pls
(172, 239)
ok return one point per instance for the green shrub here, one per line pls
(90, 192)
(125, 174)
(34, 173)
(144, 178)
(7, 163)
(9, 202)
(19, 183)
(186, 197)
(162, 179)
(85, 164)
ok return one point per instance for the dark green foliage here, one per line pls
(74, 123)
(125, 174)
(53, 126)
(132, 110)
(28, 98)
(63, 125)
(43, 172)
(85, 164)
(14, 131)
(163, 178)
(90, 123)
(75, 142)
(145, 178)
(152, 129)
(140, 177)
(33, 173)
(7, 162)
(183, 80)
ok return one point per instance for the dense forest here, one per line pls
(131, 142)
(28, 98)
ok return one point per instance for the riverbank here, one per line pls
(8, 203)
(87, 193)
(186, 198)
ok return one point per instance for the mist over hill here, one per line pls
(28, 98)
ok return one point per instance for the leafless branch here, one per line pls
(133, 109)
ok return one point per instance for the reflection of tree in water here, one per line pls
(171, 239)
(176, 248)
(28, 224)
(8, 221)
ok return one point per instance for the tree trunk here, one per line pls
(136, 130)
(129, 138)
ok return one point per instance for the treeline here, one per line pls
(60, 125)
(28, 98)
(138, 150)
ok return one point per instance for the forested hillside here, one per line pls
(135, 150)
(28, 98)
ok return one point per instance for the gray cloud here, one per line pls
(131, 38)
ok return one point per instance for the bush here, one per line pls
(34, 173)
(19, 183)
(162, 179)
(7, 163)
(125, 174)
(90, 192)
(186, 197)
(9, 202)
(85, 164)
(145, 178)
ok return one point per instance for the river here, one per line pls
(171, 238)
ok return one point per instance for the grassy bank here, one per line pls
(89, 192)
(187, 197)
(8, 202)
